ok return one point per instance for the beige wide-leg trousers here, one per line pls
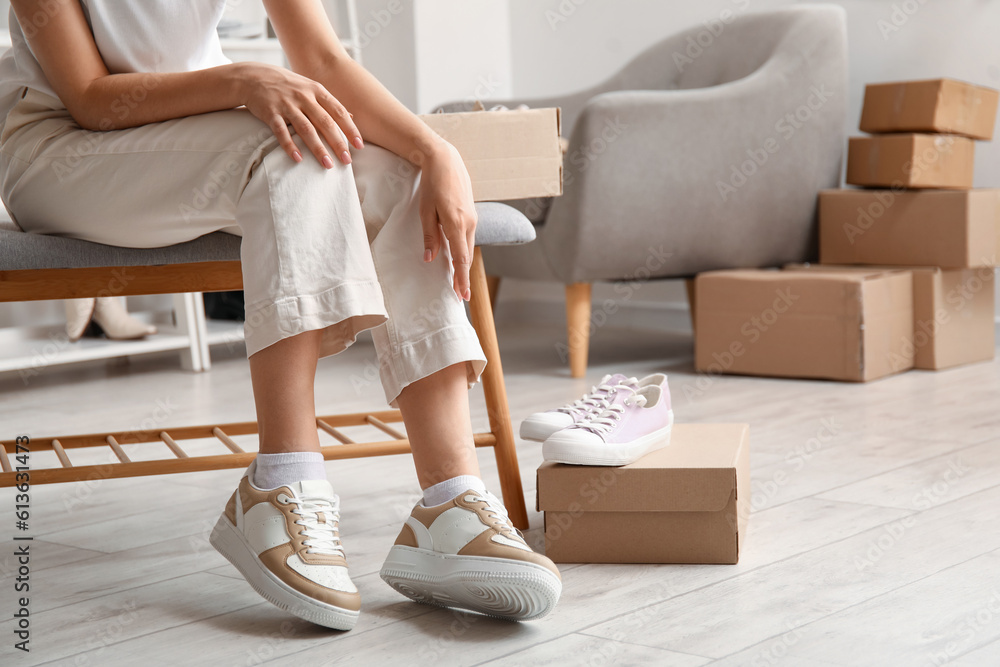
(337, 250)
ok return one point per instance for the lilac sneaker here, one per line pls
(637, 421)
(541, 425)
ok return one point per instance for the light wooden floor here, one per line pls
(863, 549)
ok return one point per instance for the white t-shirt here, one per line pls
(131, 35)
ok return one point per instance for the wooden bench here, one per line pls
(35, 267)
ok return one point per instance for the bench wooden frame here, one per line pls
(39, 284)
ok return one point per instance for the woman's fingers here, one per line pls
(432, 232)
(280, 129)
(281, 98)
(340, 117)
(457, 234)
(307, 131)
(330, 131)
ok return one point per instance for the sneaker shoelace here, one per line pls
(599, 398)
(602, 423)
(322, 537)
(497, 512)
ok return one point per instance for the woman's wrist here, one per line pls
(241, 78)
(430, 147)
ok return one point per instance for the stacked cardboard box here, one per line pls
(924, 215)
(917, 221)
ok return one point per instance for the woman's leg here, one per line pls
(283, 377)
(436, 413)
(428, 351)
(457, 548)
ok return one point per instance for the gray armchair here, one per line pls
(692, 159)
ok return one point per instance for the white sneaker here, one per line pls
(286, 544)
(466, 554)
(635, 423)
(541, 425)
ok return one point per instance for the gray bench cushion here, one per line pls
(498, 225)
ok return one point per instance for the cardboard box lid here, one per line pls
(509, 154)
(698, 472)
(737, 284)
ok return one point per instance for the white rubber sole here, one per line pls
(538, 431)
(229, 542)
(579, 453)
(500, 587)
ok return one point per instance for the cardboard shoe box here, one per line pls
(836, 326)
(910, 228)
(509, 154)
(940, 105)
(953, 314)
(686, 503)
(911, 161)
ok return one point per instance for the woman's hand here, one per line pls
(447, 212)
(280, 97)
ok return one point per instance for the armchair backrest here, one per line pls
(710, 54)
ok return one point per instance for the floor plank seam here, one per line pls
(861, 602)
(145, 635)
(878, 474)
(123, 590)
(584, 629)
(658, 648)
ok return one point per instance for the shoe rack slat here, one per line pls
(117, 449)
(183, 462)
(227, 441)
(334, 432)
(172, 444)
(61, 453)
(379, 424)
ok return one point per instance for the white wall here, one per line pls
(564, 45)
(388, 45)
(427, 52)
(470, 41)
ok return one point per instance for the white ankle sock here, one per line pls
(274, 470)
(444, 491)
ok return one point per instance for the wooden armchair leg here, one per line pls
(496, 396)
(578, 327)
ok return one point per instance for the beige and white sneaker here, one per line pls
(466, 554)
(286, 544)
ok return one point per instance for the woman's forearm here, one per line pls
(118, 101)
(380, 117)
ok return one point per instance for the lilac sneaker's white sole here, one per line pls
(542, 425)
(567, 449)
(538, 431)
